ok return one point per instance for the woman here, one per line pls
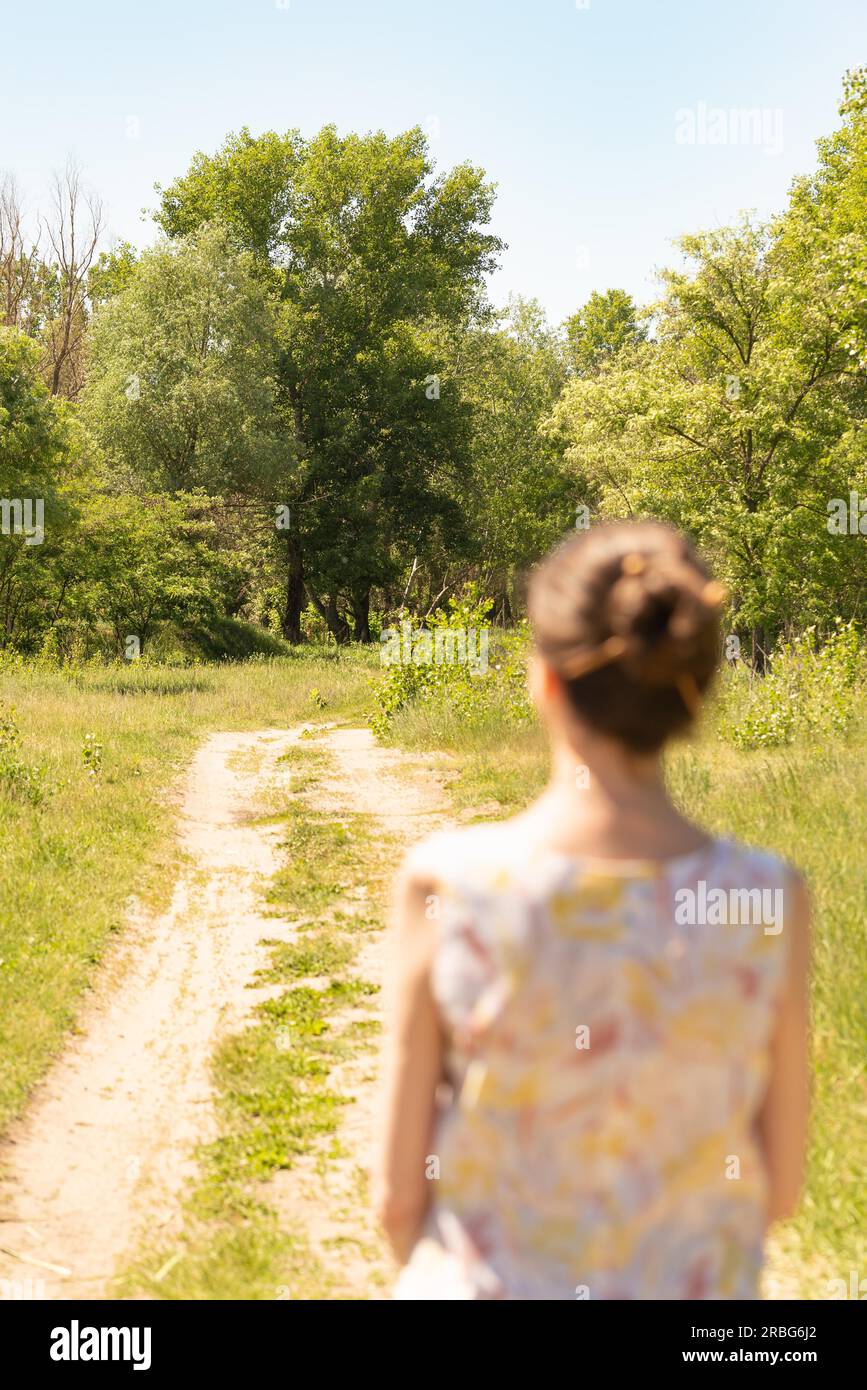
(596, 1085)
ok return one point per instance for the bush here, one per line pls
(455, 662)
(19, 779)
(809, 688)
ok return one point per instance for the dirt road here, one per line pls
(107, 1144)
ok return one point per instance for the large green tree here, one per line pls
(739, 421)
(370, 251)
(181, 388)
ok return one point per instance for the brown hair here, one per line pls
(628, 617)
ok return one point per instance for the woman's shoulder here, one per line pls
(761, 863)
(501, 854)
(446, 854)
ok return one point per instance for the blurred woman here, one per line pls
(596, 1083)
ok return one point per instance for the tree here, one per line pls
(73, 233)
(110, 273)
(37, 442)
(149, 560)
(20, 267)
(369, 251)
(732, 423)
(518, 497)
(821, 236)
(606, 323)
(182, 361)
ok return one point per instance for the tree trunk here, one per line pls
(759, 639)
(294, 606)
(337, 624)
(361, 614)
(330, 615)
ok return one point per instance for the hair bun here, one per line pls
(658, 607)
(627, 615)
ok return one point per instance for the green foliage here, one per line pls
(769, 722)
(300, 412)
(111, 273)
(37, 443)
(182, 359)
(518, 498)
(91, 756)
(606, 323)
(368, 249)
(743, 417)
(19, 779)
(463, 685)
(153, 559)
(809, 690)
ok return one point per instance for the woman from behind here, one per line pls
(596, 1079)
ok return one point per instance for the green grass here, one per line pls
(69, 865)
(318, 954)
(322, 852)
(808, 803)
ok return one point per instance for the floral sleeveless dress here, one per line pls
(607, 1058)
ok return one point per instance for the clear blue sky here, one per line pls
(571, 111)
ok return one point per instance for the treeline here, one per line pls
(299, 408)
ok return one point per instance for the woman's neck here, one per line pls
(604, 801)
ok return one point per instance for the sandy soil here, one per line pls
(107, 1143)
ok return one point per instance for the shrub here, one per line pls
(489, 669)
(19, 779)
(809, 687)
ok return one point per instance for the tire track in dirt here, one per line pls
(326, 1201)
(107, 1143)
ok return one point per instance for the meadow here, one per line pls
(88, 800)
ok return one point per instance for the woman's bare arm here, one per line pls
(784, 1114)
(413, 1070)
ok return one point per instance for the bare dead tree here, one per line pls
(19, 259)
(73, 234)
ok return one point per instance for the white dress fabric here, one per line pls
(607, 1059)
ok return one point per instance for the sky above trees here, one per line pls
(610, 130)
